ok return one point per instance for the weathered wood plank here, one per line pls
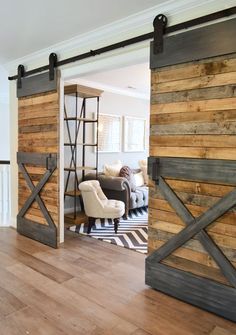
(220, 79)
(180, 284)
(194, 106)
(189, 152)
(192, 70)
(193, 95)
(221, 116)
(196, 44)
(202, 141)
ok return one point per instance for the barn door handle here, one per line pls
(153, 168)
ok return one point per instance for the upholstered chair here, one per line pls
(97, 206)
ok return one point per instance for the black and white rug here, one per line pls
(132, 233)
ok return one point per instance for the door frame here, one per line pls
(113, 60)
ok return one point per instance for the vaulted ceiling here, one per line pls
(30, 25)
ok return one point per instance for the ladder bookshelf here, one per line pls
(76, 123)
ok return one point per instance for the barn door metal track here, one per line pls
(159, 30)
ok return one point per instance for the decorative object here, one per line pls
(134, 134)
(143, 166)
(112, 170)
(109, 133)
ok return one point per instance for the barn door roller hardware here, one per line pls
(20, 74)
(159, 30)
(52, 65)
(159, 24)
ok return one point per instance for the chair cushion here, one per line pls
(113, 209)
(139, 198)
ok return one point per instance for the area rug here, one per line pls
(132, 233)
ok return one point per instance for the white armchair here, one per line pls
(97, 206)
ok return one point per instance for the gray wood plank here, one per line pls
(201, 292)
(209, 41)
(194, 227)
(39, 232)
(209, 170)
(35, 158)
(37, 84)
(224, 264)
(218, 92)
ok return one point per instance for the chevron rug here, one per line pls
(132, 233)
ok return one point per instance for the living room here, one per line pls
(122, 134)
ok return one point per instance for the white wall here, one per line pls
(4, 116)
(115, 104)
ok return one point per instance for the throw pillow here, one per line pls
(139, 180)
(127, 173)
(143, 167)
(112, 169)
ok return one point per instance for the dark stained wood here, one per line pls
(37, 84)
(209, 41)
(194, 289)
(194, 169)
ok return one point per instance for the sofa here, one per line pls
(119, 188)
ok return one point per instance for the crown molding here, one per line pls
(130, 26)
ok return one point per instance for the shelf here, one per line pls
(80, 119)
(80, 218)
(82, 91)
(83, 144)
(72, 193)
(80, 168)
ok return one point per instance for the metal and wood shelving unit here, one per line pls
(76, 127)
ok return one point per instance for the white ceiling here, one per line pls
(131, 80)
(30, 25)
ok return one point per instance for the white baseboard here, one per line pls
(13, 222)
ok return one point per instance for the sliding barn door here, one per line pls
(38, 158)
(192, 164)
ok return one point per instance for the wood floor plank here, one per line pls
(88, 287)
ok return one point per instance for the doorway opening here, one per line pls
(110, 146)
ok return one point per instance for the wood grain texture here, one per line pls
(38, 132)
(193, 117)
(61, 292)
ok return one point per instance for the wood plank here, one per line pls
(193, 152)
(200, 117)
(220, 79)
(164, 278)
(194, 44)
(194, 95)
(194, 106)
(186, 71)
(202, 141)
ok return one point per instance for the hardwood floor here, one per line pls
(88, 287)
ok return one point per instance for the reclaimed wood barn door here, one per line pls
(192, 167)
(38, 157)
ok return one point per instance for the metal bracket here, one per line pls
(159, 24)
(153, 169)
(51, 162)
(20, 74)
(52, 65)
